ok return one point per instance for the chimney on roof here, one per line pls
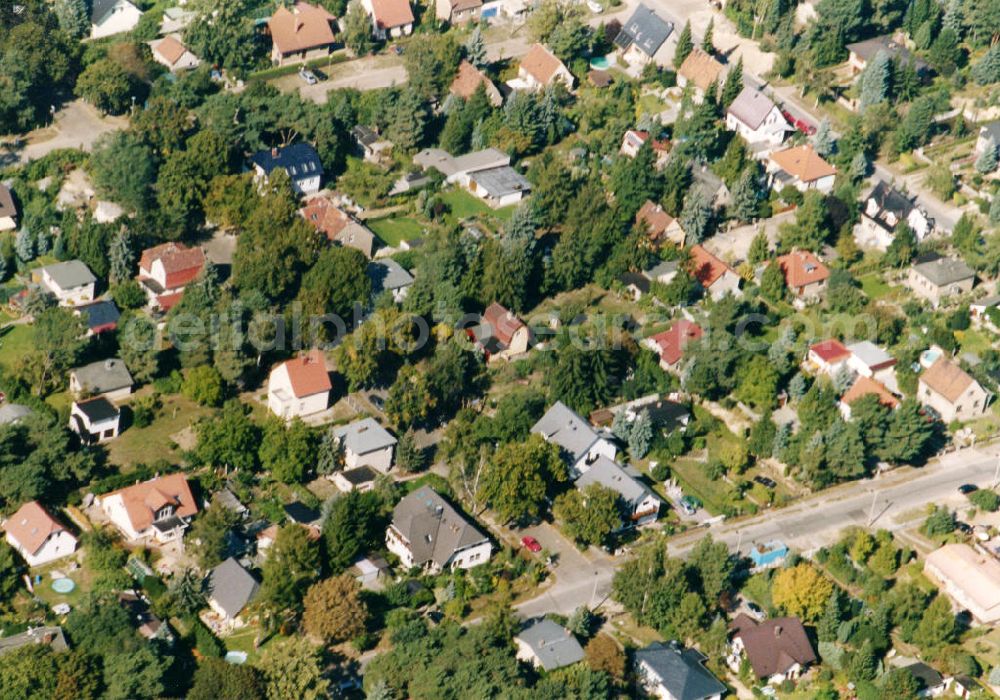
(274, 152)
(777, 630)
(108, 364)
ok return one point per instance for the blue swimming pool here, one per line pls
(63, 585)
(600, 63)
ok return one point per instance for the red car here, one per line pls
(531, 544)
(800, 124)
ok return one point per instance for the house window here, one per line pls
(109, 433)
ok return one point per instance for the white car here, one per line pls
(595, 7)
(308, 76)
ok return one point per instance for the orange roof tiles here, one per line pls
(707, 268)
(392, 13)
(144, 499)
(541, 64)
(654, 218)
(31, 525)
(307, 374)
(170, 49)
(673, 341)
(801, 268)
(503, 324)
(830, 351)
(947, 378)
(866, 385)
(181, 264)
(467, 81)
(700, 68)
(301, 28)
(803, 162)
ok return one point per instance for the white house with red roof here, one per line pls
(300, 32)
(170, 52)
(864, 386)
(539, 69)
(670, 344)
(390, 18)
(159, 509)
(715, 276)
(299, 387)
(165, 270)
(805, 275)
(37, 536)
(827, 357)
(635, 139)
(501, 335)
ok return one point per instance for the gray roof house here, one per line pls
(500, 186)
(642, 504)
(51, 636)
(934, 280)
(864, 51)
(366, 443)
(459, 167)
(13, 413)
(645, 30)
(567, 428)
(230, 588)
(387, 275)
(64, 277)
(427, 532)
(102, 378)
(667, 671)
(548, 645)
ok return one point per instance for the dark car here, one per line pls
(966, 489)
(964, 528)
(765, 481)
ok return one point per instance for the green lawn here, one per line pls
(393, 231)
(154, 442)
(874, 286)
(973, 340)
(693, 480)
(15, 342)
(464, 206)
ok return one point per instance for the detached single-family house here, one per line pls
(642, 36)
(547, 645)
(861, 52)
(299, 160)
(427, 532)
(501, 335)
(175, 19)
(777, 649)
(939, 279)
(539, 69)
(659, 225)
(802, 167)
(338, 226)
(669, 672)
(662, 272)
(636, 284)
(108, 378)
(366, 443)
(110, 17)
(827, 357)
(390, 18)
(635, 139)
(229, 589)
(71, 282)
(300, 33)
(582, 444)
(884, 210)
(371, 144)
(869, 360)
(8, 210)
(757, 119)
(37, 536)
(805, 275)
(670, 344)
(458, 11)
(95, 420)
(864, 386)
(970, 577)
(160, 508)
(701, 71)
(988, 133)
(11, 413)
(100, 317)
(641, 505)
(486, 174)
(499, 187)
(387, 275)
(165, 270)
(358, 479)
(170, 52)
(951, 392)
(467, 81)
(715, 276)
(299, 387)
(51, 637)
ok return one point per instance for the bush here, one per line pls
(985, 499)
(205, 642)
(661, 472)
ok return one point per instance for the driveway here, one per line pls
(77, 125)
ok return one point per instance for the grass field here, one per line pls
(149, 444)
(464, 206)
(15, 342)
(874, 286)
(393, 231)
(690, 474)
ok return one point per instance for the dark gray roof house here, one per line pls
(501, 182)
(431, 529)
(51, 636)
(101, 377)
(97, 410)
(388, 275)
(867, 49)
(945, 271)
(230, 588)
(548, 645)
(567, 428)
(887, 200)
(666, 670)
(100, 316)
(646, 30)
(299, 160)
(13, 413)
(7, 206)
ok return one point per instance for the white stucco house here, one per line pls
(299, 387)
(158, 509)
(757, 119)
(885, 209)
(71, 282)
(580, 443)
(366, 443)
(110, 17)
(37, 536)
(427, 532)
(95, 420)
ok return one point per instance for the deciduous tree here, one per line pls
(333, 610)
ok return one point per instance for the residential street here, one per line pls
(899, 499)
(77, 125)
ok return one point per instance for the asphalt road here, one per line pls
(894, 501)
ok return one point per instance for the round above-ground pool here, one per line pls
(236, 657)
(63, 585)
(600, 63)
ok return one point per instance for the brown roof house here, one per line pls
(390, 18)
(300, 33)
(777, 649)
(700, 70)
(539, 69)
(458, 11)
(801, 167)
(37, 536)
(165, 270)
(299, 387)
(805, 275)
(951, 392)
(500, 335)
(467, 81)
(160, 508)
(715, 276)
(865, 386)
(339, 226)
(170, 52)
(659, 225)
(427, 532)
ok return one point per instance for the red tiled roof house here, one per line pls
(864, 386)
(160, 508)
(827, 356)
(539, 69)
(37, 536)
(300, 33)
(670, 344)
(805, 275)
(715, 276)
(390, 18)
(299, 387)
(165, 270)
(501, 335)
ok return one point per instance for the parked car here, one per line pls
(800, 124)
(964, 528)
(756, 611)
(308, 76)
(531, 544)
(966, 489)
(690, 505)
(595, 7)
(765, 481)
